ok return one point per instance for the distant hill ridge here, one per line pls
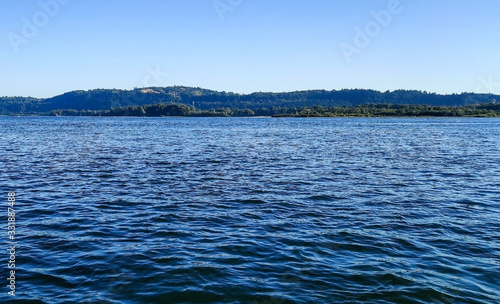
(204, 99)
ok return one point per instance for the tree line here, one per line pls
(366, 110)
(206, 100)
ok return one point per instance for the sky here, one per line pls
(48, 47)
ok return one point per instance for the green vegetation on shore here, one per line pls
(205, 100)
(367, 110)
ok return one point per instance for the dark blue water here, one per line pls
(260, 210)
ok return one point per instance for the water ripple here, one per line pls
(125, 210)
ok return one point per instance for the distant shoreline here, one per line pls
(246, 117)
(193, 101)
(366, 110)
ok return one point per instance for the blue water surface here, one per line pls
(253, 210)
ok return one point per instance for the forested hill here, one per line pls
(203, 99)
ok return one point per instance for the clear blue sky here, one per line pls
(259, 45)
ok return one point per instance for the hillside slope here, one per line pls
(104, 99)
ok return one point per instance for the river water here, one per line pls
(252, 210)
